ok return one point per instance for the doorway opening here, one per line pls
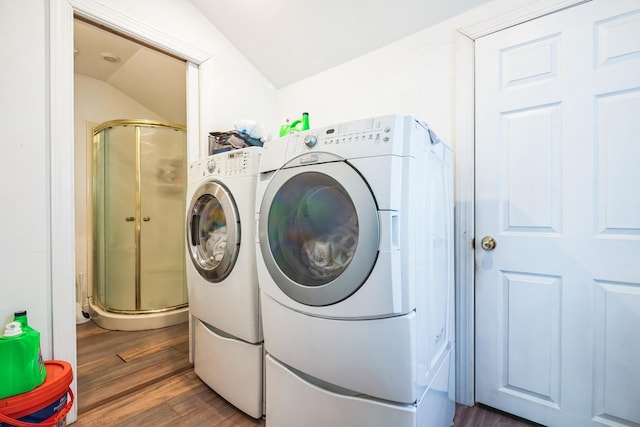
(117, 78)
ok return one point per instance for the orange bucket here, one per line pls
(46, 405)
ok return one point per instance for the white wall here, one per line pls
(95, 102)
(412, 76)
(24, 167)
(98, 101)
(415, 75)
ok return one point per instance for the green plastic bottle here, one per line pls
(305, 121)
(296, 126)
(21, 365)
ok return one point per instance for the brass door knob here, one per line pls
(488, 243)
(130, 218)
(146, 218)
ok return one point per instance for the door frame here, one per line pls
(61, 136)
(464, 119)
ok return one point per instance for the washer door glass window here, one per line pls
(213, 231)
(319, 232)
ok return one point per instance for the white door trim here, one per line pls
(509, 18)
(104, 15)
(465, 177)
(61, 134)
(464, 219)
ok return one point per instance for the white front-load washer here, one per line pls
(355, 267)
(226, 333)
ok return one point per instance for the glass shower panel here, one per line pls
(116, 238)
(162, 210)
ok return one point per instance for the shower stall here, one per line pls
(139, 190)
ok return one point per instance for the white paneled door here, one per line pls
(558, 191)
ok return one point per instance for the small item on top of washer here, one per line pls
(232, 139)
(296, 126)
(253, 129)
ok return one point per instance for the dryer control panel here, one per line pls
(240, 162)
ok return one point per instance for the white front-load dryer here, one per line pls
(355, 269)
(221, 277)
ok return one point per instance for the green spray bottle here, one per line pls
(296, 126)
(21, 364)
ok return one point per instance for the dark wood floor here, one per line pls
(144, 378)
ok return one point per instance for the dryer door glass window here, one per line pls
(213, 232)
(319, 232)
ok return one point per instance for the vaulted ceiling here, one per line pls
(290, 40)
(286, 40)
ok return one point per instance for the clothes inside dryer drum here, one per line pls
(313, 229)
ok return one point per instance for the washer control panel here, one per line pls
(365, 132)
(361, 135)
